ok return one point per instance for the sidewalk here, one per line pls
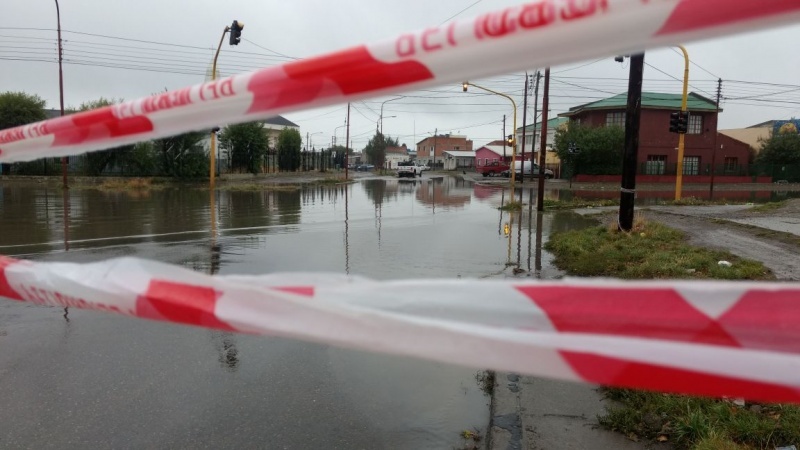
(536, 413)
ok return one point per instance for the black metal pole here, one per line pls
(524, 118)
(716, 134)
(543, 145)
(632, 116)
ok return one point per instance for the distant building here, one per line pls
(657, 146)
(457, 159)
(533, 140)
(395, 155)
(274, 126)
(433, 147)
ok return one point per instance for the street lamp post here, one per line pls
(466, 85)
(681, 136)
(380, 129)
(236, 30)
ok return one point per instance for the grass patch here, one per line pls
(331, 180)
(651, 251)
(701, 423)
(575, 203)
(130, 184)
(258, 187)
(511, 206)
(768, 207)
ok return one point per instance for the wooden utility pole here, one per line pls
(716, 133)
(524, 118)
(535, 113)
(347, 144)
(632, 116)
(543, 144)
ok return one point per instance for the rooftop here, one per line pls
(551, 124)
(650, 100)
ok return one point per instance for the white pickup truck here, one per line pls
(409, 169)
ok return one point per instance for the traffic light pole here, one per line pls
(543, 144)
(213, 153)
(682, 136)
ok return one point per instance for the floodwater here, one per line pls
(78, 379)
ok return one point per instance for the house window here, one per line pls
(656, 164)
(691, 165)
(455, 148)
(695, 125)
(495, 160)
(615, 119)
(731, 163)
(577, 121)
(479, 161)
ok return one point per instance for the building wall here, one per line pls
(442, 143)
(483, 153)
(656, 140)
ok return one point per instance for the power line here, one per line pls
(456, 14)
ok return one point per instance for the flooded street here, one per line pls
(87, 379)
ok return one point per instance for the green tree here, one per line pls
(183, 155)
(289, 143)
(19, 108)
(600, 148)
(246, 144)
(95, 163)
(376, 148)
(780, 149)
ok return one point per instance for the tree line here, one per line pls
(246, 147)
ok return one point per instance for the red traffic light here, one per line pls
(236, 32)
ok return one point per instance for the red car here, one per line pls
(493, 169)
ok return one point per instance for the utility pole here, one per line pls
(61, 92)
(632, 116)
(433, 152)
(347, 144)
(524, 117)
(716, 133)
(504, 141)
(535, 114)
(543, 144)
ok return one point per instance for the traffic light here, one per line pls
(510, 140)
(674, 119)
(236, 32)
(683, 122)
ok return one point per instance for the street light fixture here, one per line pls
(464, 86)
(381, 117)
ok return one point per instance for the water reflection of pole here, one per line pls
(519, 234)
(346, 231)
(538, 261)
(66, 218)
(216, 249)
(530, 228)
(500, 223)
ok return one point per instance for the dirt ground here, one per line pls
(730, 228)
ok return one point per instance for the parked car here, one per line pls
(365, 168)
(526, 170)
(493, 169)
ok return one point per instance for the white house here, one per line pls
(395, 155)
(459, 159)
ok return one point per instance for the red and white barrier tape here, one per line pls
(538, 34)
(734, 339)
(708, 338)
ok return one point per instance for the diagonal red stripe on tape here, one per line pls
(646, 313)
(766, 320)
(698, 14)
(95, 125)
(181, 303)
(5, 288)
(618, 372)
(307, 291)
(350, 71)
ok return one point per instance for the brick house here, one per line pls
(433, 147)
(657, 156)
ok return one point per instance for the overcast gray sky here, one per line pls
(105, 56)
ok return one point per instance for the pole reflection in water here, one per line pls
(538, 259)
(224, 342)
(530, 229)
(346, 230)
(519, 235)
(65, 213)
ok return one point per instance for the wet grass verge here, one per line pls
(780, 236)
(576, 203)
(258, 187)
(768, 207)
(511, 206)
(701, 423)
(653, 250)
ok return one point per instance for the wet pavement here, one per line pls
(85, 379)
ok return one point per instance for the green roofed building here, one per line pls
(658, 153)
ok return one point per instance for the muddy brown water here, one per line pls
(86, 379)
